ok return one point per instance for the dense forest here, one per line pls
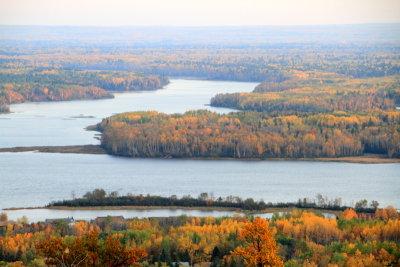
(317, 94)
(251, 134)
(299, 238)
(99, 197)
(216, 53)
(323, 97)
(142, 58)
(310, 115)
(44, 84)
(241, 63)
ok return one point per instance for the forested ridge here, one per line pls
(299, 238)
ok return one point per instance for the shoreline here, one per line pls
(80, 149)
(98, 150)
(238, 210)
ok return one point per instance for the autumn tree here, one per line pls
(349, 214)
(259, 247)
(3, 217)
(65, 254)
(114, 254)
(203, 133)
(88, 251)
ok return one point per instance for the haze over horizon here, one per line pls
(197, 13)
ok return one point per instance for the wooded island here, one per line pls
(302, 118)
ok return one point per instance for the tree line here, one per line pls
(251, 134)
(55, 84)
(299, 238)
(239, 60)
(99, 197)
(107, 80)
(317, 95)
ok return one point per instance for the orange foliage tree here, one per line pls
(88, 251)
(259, 248)
(349, 214)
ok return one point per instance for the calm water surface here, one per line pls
(61, 123)
(35, 179)
(37, 215)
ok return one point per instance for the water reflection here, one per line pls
(35, 215)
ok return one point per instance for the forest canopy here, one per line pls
(302, 238)
(251, 134)
(87, 62)
(313, 92)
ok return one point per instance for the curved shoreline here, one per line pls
(98, 150)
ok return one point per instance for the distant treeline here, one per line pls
(107, 80)
(54, 84)
(238, 64)
(225, 63)
(32, 92)
(214, 53)
(322, 93)
(99, 197)
(43, 71)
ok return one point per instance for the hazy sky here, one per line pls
(197, 12)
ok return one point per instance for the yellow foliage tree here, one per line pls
(349, 214)
(259, 248)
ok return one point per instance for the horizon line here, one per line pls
(185, 26)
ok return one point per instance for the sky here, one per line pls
(197, 12)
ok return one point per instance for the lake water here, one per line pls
(35, 179)
(37, 215)
(56, 123)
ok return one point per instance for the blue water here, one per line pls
(58, 123)
(37, 215)
(35, 179)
